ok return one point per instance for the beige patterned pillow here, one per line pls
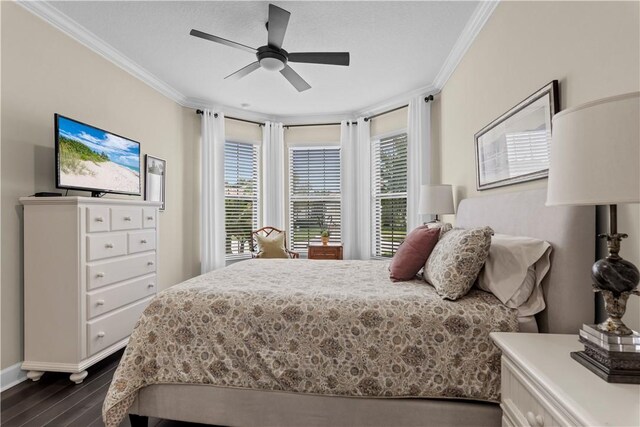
(443, 226)
(456, 261)
(271, 247)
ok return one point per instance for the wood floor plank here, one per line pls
(77, 410)
(11, 398)
(14, 390)
(32, 399)
(62, 401)
(93, 414)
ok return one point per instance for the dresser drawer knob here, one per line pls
(149, 218)
(143, 241)
(100, 302)
(127, 218)
(109, 246)
(99, 219)
(535, 420)
(150, 285)
(101, 334)
(100, 275)
(150, 263)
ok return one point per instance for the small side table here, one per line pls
(543, 386)
(328, 251)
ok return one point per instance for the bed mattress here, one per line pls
(338, 328)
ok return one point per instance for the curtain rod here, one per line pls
(233, 118)
(317, 124)
(366, 119)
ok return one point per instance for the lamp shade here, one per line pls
(436, 199)
(595, 153)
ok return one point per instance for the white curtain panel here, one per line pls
(212, 233)
(418, 156)
(273, 157)
(362, 165)
(348, 182)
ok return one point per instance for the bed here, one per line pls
(303, 359)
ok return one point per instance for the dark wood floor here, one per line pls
(56, 401)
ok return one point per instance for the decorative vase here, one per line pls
(325, 240)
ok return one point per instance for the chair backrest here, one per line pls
(265, 232)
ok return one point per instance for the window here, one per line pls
(389, 179)
(314, 179)
(241, 184)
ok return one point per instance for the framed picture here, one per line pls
(155, 170)
(515, 147)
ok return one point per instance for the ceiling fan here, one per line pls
(273, 57)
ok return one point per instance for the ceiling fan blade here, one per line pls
(294, 78)
(220, 40)
(244, 71)
(278, 21)
(331, 58)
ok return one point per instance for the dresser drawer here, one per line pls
(149, 218)
(524, 405)
(108, 330)
(107, 272)
(106, 245)
(141, 241)
(126, 218)
(102, 301)
(98, 219)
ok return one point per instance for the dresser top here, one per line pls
(77, 200)
(546, 360)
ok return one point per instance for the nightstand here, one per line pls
(329, 251)
(543, 386)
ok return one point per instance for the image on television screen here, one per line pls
(90, 158)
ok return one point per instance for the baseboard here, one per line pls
(11, 376)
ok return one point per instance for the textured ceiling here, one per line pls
(395, 47)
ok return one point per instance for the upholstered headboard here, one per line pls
(571, 230)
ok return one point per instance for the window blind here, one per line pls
(389, 170)
(527, 151)
(241, 189)
(314, 179)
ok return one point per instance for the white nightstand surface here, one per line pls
(545, 359)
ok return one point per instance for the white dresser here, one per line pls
(90, 267)
(543, 386)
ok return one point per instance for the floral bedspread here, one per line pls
(325, 327)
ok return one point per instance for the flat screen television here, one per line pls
(92, 159)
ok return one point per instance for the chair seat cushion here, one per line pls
(271, 246)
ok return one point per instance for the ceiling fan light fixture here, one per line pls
(271, 64)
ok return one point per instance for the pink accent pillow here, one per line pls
(413, 253)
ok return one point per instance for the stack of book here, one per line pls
(615, 358)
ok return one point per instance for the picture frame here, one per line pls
(155, 171)
(515, 147)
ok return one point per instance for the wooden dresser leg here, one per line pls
(34, 375)
(78, 377)
(138, 420)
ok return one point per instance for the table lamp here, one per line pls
(436, 199)
(595, 160)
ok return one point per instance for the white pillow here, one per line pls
(514, 271)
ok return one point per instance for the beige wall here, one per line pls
(592, 48)
(44, 72)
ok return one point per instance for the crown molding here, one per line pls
(62, 22)
(397, 101)
(480, 16)
(44, 10)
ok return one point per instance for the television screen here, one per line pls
(95, 160)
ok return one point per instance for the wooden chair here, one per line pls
(265, 232)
